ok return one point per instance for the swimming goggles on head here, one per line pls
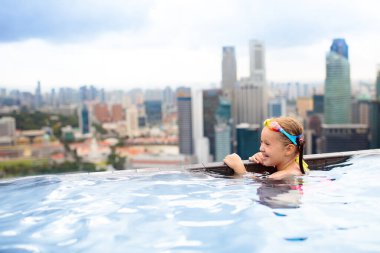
(275, 126)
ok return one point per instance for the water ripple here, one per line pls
(177, 211)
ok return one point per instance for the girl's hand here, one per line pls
(257, 158)
(234, 162)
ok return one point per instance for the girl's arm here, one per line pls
(234, 162)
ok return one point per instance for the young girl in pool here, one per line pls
(281, 146)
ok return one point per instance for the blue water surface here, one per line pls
(181, 211)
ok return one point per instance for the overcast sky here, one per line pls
(154, 43)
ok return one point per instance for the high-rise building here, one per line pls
(185, 129)
(251, 102)
(38, 96)
(360, 112)
(202, 150)
(117, 113)
(53, 98)
(222, 141)
(102, 95)
(337, 102)
(201, 143)
(7, 130)
(374, 125)
(344, 137)
(374, 115)
(168, 101)
(210, 106)
(101, 113)
(68, 96)
(251, 93)
(153, 95)
(304, 105)
(314, 128)
(318, 103)
(222, 130)
(83, 93)
(216, 110)
(257, 61)
(229, 84)
(89, 93)
(84, 119)
(153, 110)
(93, 93)
(132, 119)
(340, 47)
(229, 75)
(378, 84)
(168, 96)
(248, 140)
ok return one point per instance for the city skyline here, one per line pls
(152, 44)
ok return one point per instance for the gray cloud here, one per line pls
(294, 23)
(196, 23)
(68, 19)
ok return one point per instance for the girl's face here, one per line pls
(274, 151)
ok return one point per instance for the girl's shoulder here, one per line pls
(294, 170)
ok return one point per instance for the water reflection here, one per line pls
(281, 193)
(285, 193)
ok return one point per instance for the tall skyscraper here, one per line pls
(378, 84)
(257, 61)
(222, 141)
(340, 47)
(318, 103)
(251, 102)
(84, 119)
(251, 93)
(101, 113)
(228, 68)
(132, 119)
(201, 143)
(374, 125)
(38, 96)
(216, 110)
(210, 105)
(374, 115)
(117, 113)
(83, 91)
(229, 84)
(153, 110)
(337, 103)
(185, 129)
(223, 129)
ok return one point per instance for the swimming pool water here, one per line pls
(181, 211)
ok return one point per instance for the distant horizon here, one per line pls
(44, 89)
(151, 44)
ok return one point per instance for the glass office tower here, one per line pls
(337, 103)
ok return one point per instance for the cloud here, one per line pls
(193, 23)
(169, 42)
(67, 20)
